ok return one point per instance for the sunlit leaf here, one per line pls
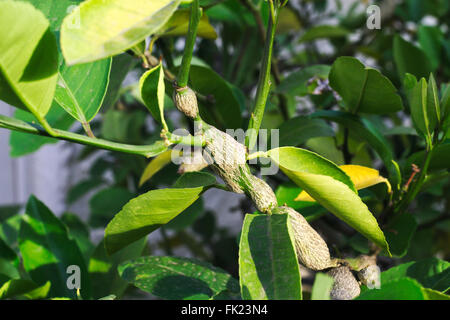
(178, 25)
(82, 88)
(362, 177)
(102, 28)
(268, 265)
(152, 89)
(28, 69)
(330, 187)
(147, 213)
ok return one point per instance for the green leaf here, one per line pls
(78, 231)
(432, 273)
(54, 10)
(324, 31)
(128, 127)
(367, 131)
(322, 287)
(410, 59)
(301, 160)
(330, 187)
(327, 148)
(47, 250)
(81, 189)
(298, 130)
(431, 294)
(402, 289)
(147, 213)
(409, 81)
(445, 106)
(178, 25)
(9, 261)
(120, 67)
(106, 203)
(82, 88)
(28, 58)
(433, 102)
(23, 143)
(9, 231)
(195, 179)
(187, 217)
(440, 157)
(399, 234)
(105, 278)
(152, 90)
(7, 211)
(296, 83)
(225, 106)
(26, 288)
(430, 39)
(268, 265)
(286, 193)
(361, 87)
(423, 110)
(109, 28)
(177, 278)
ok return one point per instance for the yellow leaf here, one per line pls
(362, 177)
(178, 25)
(157, 164)
(288, 21)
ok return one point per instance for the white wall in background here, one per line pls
(42, 173)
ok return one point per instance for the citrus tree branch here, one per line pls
(147, 151)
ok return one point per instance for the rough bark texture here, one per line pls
(312, 251)
(345, 285)
(228, 158)
(370, 276)
(261, 194)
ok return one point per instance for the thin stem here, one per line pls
(183, 75)
(262, 92)
(48, 129)
(415, 187)
(87, 129)
(345, 147)
(147, 151)
(194, 141)
(152, 61)
(258, 154)
(274, 68)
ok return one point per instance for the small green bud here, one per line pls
(186, 101)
